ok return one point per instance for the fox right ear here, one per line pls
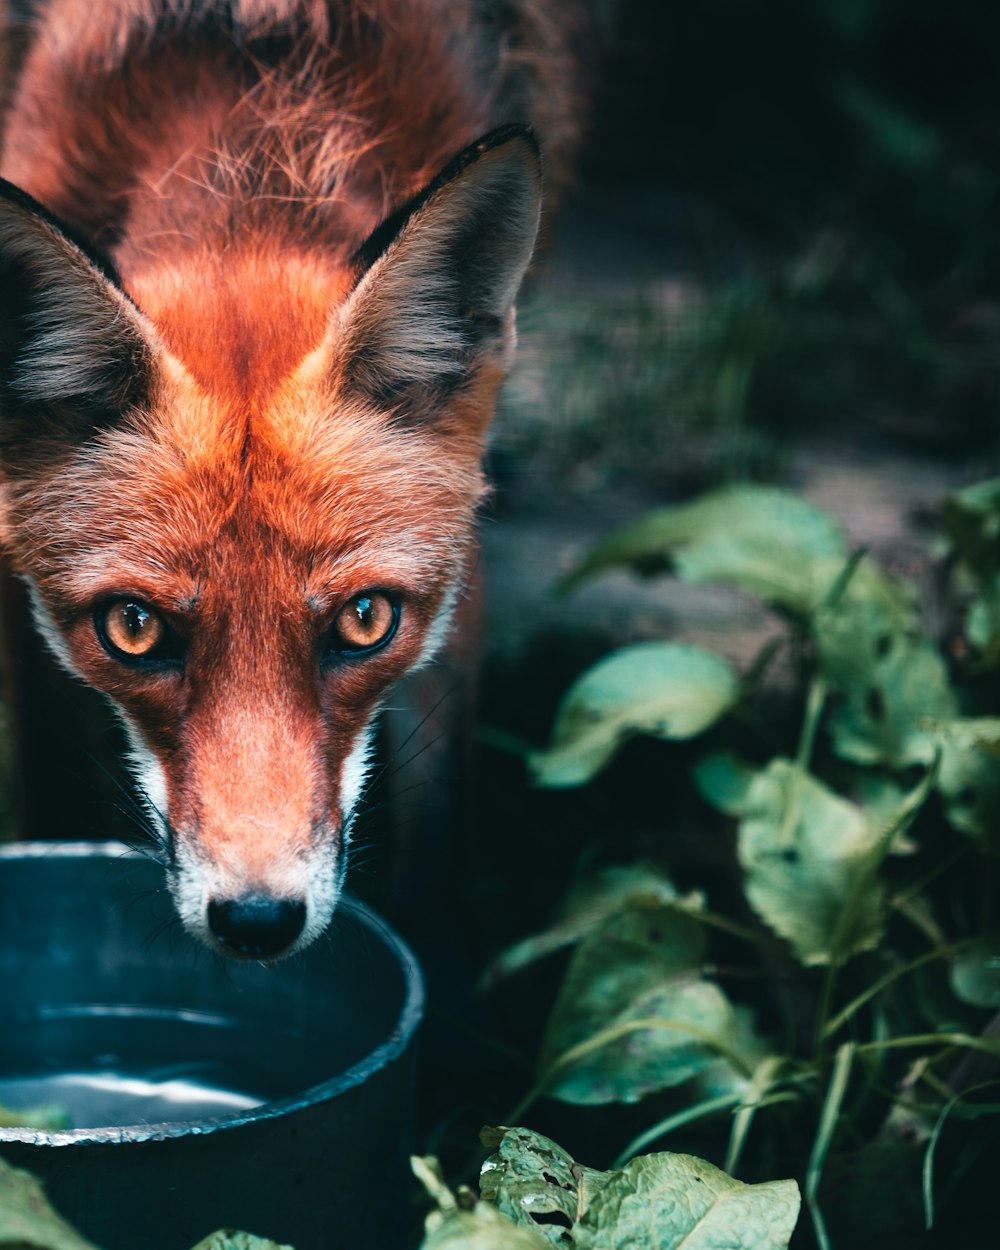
(74, 351)
(434, 300)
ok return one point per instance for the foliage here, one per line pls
(876, 974)
(535, 1195)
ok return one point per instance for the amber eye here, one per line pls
(131, 630)
(364, 623)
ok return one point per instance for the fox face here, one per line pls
(241, 496)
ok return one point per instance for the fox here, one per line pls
(259, 266)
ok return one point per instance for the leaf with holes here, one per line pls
(587, 905)
(669, 690)
(803, 848)
(885, 680)
(534, 1182)
(766, 541)
(883, 716)
(655, 1202)
(634, 1013)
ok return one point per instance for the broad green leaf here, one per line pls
(975, 974)
(669, 690)
(802, 848)
(640, 968)
(887, 681)
(672, 1201)
(856, 632)
(883, 720)
(724, 782)
(769, 542)
(655, 1202)
(587, 905)
(969, 779)
(231, 1239)
(27, 1222)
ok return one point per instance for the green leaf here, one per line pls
(766, 541)
(889, 681)
(724, 782)
(972, 521)
(667, 1201)
(452, 1226)
(969, 780)
(975, 974)
(670, 690)
(655, 1202)
(27, 1222)
(587, 905)
(230, 1239)
(529, 1177)
(634, 1013)
(883, 719)
(802, 848)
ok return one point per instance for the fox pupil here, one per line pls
(135, 618)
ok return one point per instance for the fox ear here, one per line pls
(439, 277)
(74, 351)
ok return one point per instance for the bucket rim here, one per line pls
(393, 1045)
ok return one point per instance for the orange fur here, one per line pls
(295, 416)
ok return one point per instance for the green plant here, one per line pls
(860, 901)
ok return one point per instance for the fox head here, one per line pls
(241, 496)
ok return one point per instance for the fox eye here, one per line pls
(131, 631)
(363, 624)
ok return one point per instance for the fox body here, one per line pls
(258, 265)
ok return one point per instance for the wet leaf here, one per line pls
(27, 1221)
(802, 848)
(669, 690)
(529, 1177)
(975, 974)
(586, 906)
(641, 965)
(766, 541)
(655, 1202)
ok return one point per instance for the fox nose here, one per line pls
(256, 926)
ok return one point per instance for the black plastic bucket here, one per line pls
(202, 1093)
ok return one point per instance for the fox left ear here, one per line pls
(435, 298)
(75, 352)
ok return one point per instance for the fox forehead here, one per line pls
(323, 497)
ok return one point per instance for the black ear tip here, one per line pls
(514, 133)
